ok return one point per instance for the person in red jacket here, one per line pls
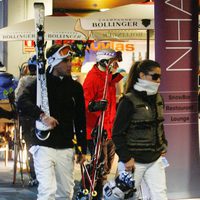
(93, 87)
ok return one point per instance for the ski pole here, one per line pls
(85, 190)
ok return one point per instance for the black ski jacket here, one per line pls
(138, 130)
(66, 104)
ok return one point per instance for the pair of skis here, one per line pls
(93, 171)
(42, 131)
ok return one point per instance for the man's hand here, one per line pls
(49, 121)
(81, 158)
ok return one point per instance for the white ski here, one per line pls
(42, 131)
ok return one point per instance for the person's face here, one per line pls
(63, 68)
(154, 75)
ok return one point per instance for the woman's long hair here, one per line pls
(144, 66)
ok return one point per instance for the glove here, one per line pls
(98, 105)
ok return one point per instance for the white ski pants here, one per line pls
(55, 172)
(153, 174)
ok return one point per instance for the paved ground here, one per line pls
(19, 191)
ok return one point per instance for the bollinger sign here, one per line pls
(105, 24)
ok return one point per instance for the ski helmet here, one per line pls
(56, 54)
(112, 192)
(105, 54)
(122, 187)
(32, 64)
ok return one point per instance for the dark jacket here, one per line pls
(66, 104)
(140, 132)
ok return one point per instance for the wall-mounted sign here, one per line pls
(28, 46)
(116, 24)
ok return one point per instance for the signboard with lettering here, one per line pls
(176, 49)
(116, 24)
(11, 36)
(56, 28)
(122, 35)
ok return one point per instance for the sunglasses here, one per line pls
(155, 76)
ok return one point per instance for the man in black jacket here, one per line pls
(54, 157)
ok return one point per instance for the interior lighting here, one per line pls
(104, 9)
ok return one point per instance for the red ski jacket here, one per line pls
(93, 91)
